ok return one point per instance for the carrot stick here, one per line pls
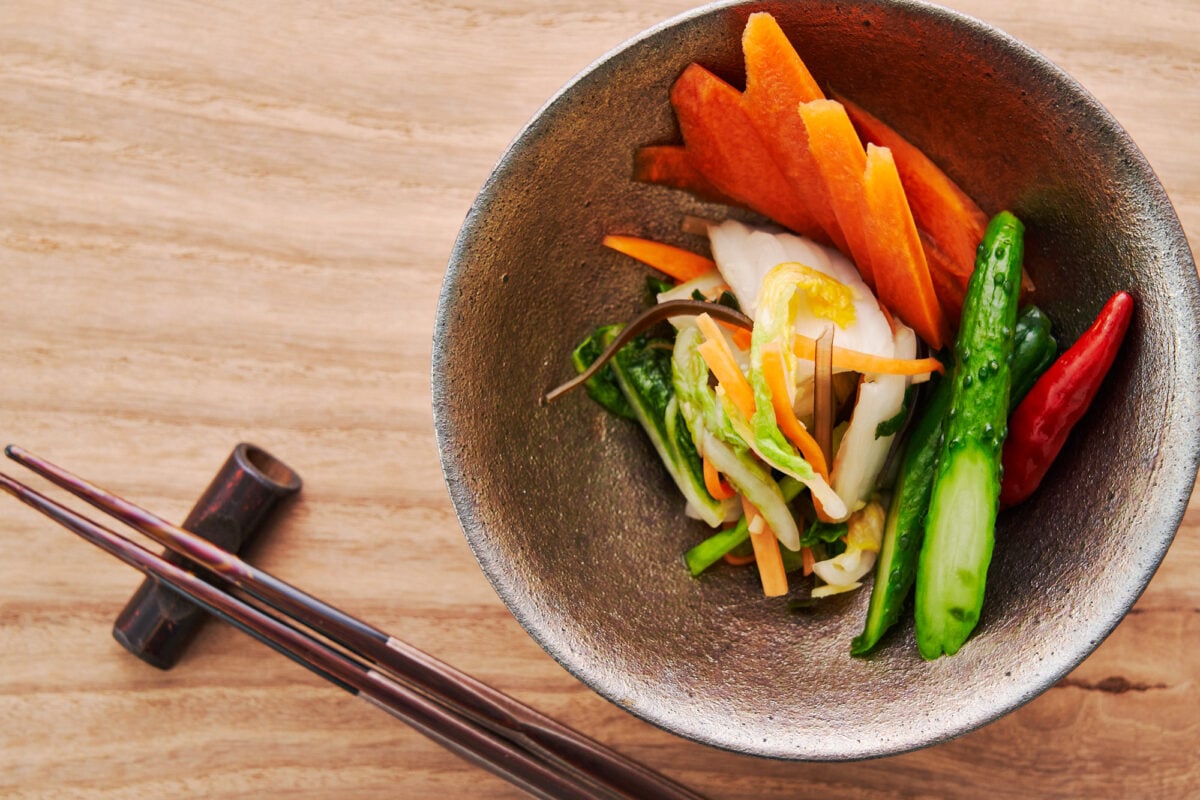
(777, 80)
(951, 291)
(785, 417)
(807, 559)
(716, 353)
(719, 489)
(902, 278)
(723, 144)
(766, 553)
(741, 336)
(840, 159)
(680, 264)
(855, 361)
(669, 165)
(772, 64)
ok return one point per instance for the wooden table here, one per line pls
(229, 221)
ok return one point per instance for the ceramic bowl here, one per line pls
(574, 520)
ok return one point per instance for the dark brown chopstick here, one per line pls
(477, 744)
(602, 771)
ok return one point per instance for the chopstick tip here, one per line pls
(10, 485)
(17, 453)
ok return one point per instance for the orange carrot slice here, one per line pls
(840, 158)
(777, 80)
(939, 206)
(901, 273)
(719, 358)
(680, 264)
(766, 553)
(669, 165)
(946, 214)
(776, 378)
(738, 561)
(946, 276)
(807, 559)
(772, 63)
(855, 361)
(723, 144)
(741, 336)
(719, 489)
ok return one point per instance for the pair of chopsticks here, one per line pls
(483, 725)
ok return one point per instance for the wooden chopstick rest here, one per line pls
(157, 624)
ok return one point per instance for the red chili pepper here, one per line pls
(1039, 426)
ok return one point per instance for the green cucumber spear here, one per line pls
(959, 530)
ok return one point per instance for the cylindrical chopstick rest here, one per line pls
(157, 624)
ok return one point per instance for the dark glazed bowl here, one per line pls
(574, 520)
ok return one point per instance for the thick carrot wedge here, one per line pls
(946, 283)
(951, 220)
(840, 158)
(949, 217)
(902, 278)
(682, 265)
(776, 82)
(726, 148)
(772, 62)
(670, 165)
(939, 206)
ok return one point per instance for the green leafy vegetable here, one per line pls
(601, 387)
(717, 439)
(643, 371)
(823, 532)
(892, 426)
(776, 319)
(655, 287)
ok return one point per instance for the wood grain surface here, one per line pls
(226, 221)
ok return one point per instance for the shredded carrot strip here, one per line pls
(680, 264)
(793, 428)
(785, 417)
(767, 555)
(807, 559)
(729, 376)
(720, 360)
(719, 489)
(806, 347)
(738, 561)
(741, 336)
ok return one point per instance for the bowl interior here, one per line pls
(574, 520)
